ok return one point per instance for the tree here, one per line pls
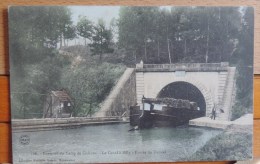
(136, 31)
(242, 58)
(102, 40)
(182, 34)
(39, 31)
(128, 31)
(64, 23)
(69, 33)
(85, 28)
(35, 63)
(161, 34)
(89, 85)
(113, 26)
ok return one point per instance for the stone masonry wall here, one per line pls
(122, 96)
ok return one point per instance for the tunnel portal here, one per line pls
(186, 91)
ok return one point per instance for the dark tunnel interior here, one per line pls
(186, 91)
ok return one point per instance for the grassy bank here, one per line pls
(89, 85)
(229, 145)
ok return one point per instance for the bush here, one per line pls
(239, 110)
(90, 84)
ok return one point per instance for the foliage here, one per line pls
(35, 63)
(243, 60)
(85, 28)
(152, 34)
(31, 38)
(102, 40)
(29, 92)
(184, 34)
(135, 30)
(228, 146)
(69, 32)
(193, 35)
(90, 84)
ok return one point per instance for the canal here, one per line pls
(109, 143)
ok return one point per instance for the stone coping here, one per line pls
(189, 67)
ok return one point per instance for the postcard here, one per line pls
(110, 84)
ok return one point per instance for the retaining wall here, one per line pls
(122, 96)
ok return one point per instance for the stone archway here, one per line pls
(185, 91)
(204, 97)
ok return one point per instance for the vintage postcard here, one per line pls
(109, 84)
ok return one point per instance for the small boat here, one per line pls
(161, 112)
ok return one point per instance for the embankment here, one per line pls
(121, 97)
(234, 143)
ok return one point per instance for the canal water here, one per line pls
(109, 143)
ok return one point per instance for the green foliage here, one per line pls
(29, 92)
(136, 26)
(70, 32)
(240, 109)
(34, 33)
(243, 60)
(184, 34)
(89, 85)
(228, 146)
(151, 34)
(35, 63)
(195, 35)
(85, 28)
(102, 40)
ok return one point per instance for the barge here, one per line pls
(161, 112)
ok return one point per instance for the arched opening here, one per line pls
(186, 91)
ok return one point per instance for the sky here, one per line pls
(93, 13)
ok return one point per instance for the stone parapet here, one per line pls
(188, 67)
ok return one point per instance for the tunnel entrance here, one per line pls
(186, 91)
